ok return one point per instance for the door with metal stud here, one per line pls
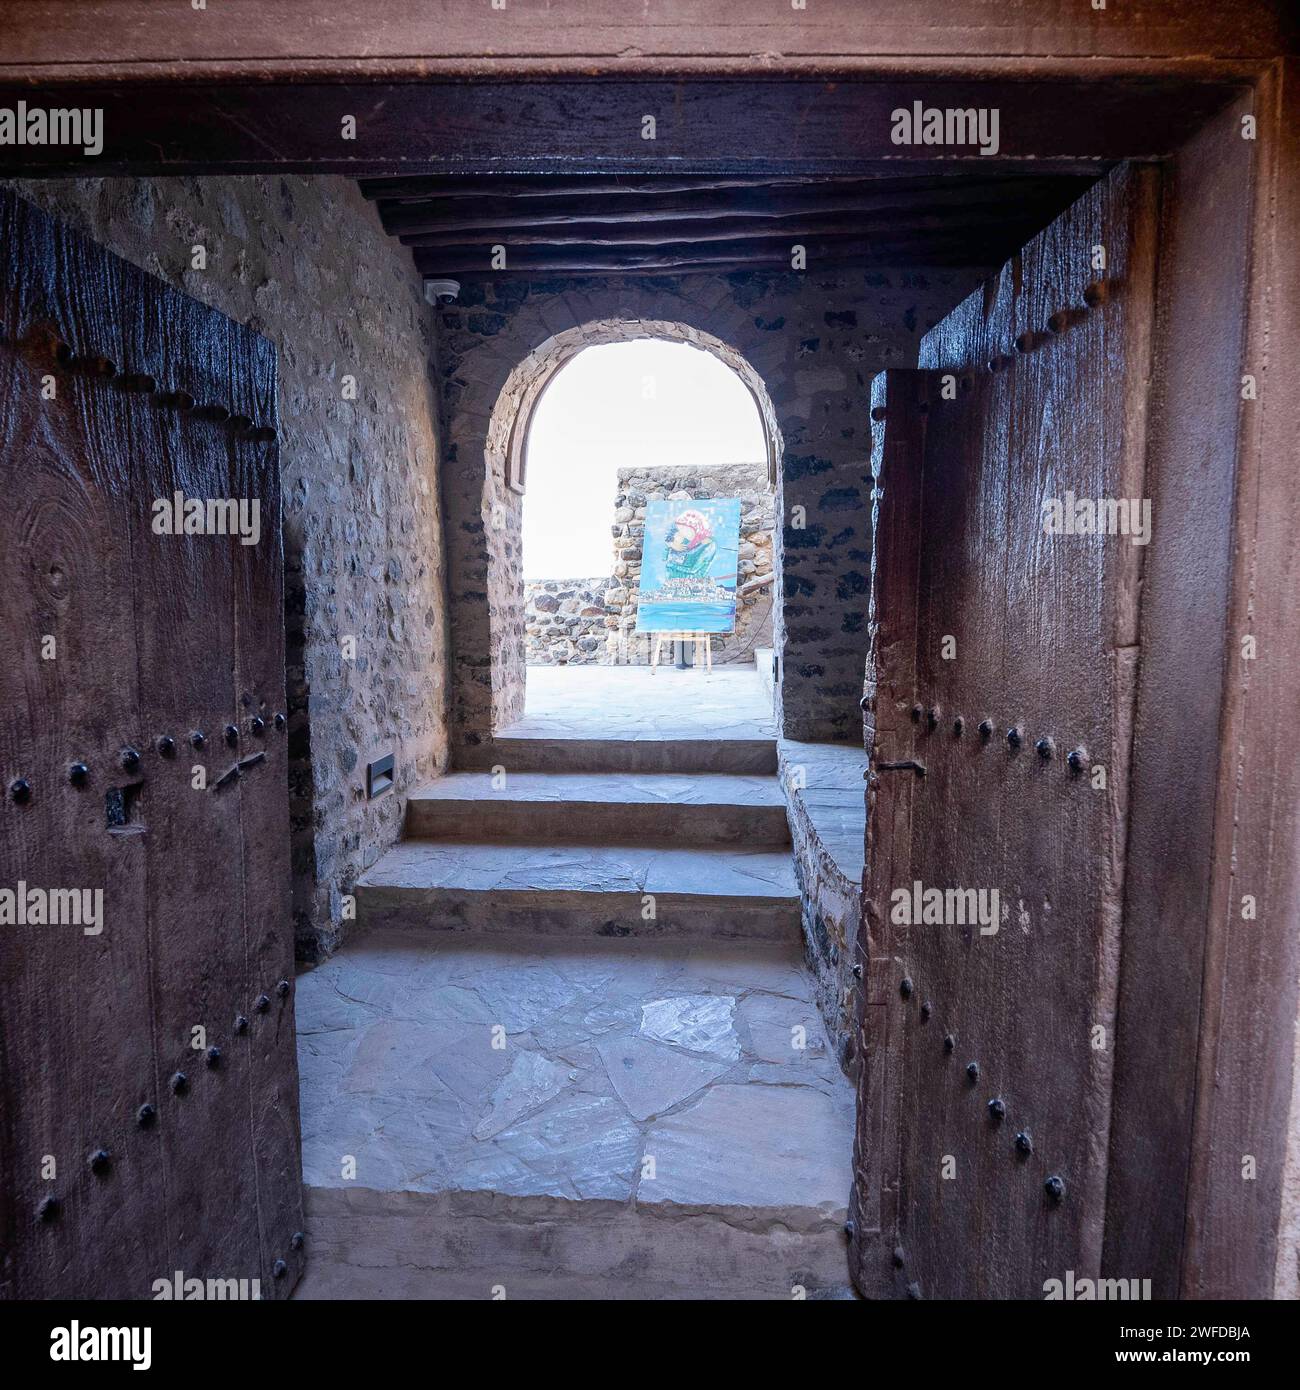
(147, 1055)
(1009, 536)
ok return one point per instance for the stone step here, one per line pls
(651, 889)
(569, 1119)
(558, 808)
(546, 753)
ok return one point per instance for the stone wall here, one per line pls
(305, 262)
(564, 621)
(826, 808)
(807, 345)
(636, 487)
(593, 621)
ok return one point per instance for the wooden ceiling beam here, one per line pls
(709, 127)
(410, 220)
(902, 225)
(952, 250)
(455, 186)
(416, 189)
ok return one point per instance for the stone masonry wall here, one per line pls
(593, 621)
(636, 487)
(305, 262)
(564, 620)
(811, 344)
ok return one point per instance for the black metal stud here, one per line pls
(958, 725)
(20, 791)
(146, 1115)
(864, 704)
(917, 712)
(973, 1072)
(932, 719)
(197, 739)
(1055, 1188)
(1024, 1144)
(279, 721)
(926, 1010)
(48, 1210)
(877, 412)
(998, 1108)
(262, 1003)
(1094, 294)
(78, 774)
(100, 1161)
(241, 1024)
(232, 735)
(1015, 736)
(986, 729)
(849, 1229)
(213, 1057)
(257, 724)
(297, 1240)
(279, 1269)
(949, 1043)
(180, 1083)
(167, 746)
(282, 988)
(899, 1257)
(130, 759)
(1075, 760)
(906, 987)
(1045, 748)
(857, 971)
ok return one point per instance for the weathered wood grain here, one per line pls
(1043, 629)
(420, 36)
(156, 640)
(595, 126)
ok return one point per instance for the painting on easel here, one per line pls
(688, 566)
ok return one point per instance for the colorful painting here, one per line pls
(688, 566)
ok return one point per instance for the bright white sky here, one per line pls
(618, 406)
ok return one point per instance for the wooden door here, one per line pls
(147, 1059)
(999, 710)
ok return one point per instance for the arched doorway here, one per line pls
(506, 457)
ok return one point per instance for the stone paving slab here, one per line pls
(584, 869)
(646, 889)
(533, 1067)
(628, 718)
(828, 788)
(559, 807)
(634, 702)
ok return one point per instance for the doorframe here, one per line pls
(1231, 767)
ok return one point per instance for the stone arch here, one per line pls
(505, 457)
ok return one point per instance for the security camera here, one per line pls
(441, 291)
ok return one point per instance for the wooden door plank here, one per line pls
(898, 406)
(77, 1054)
(1042, 628)
(149, 628)
(264, 821)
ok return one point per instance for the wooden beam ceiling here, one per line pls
(677, 224)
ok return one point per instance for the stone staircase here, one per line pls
(572, 1050)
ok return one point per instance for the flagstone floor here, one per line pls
(544, 1067)
(635, 702)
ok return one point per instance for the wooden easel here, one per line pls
(703, 647)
